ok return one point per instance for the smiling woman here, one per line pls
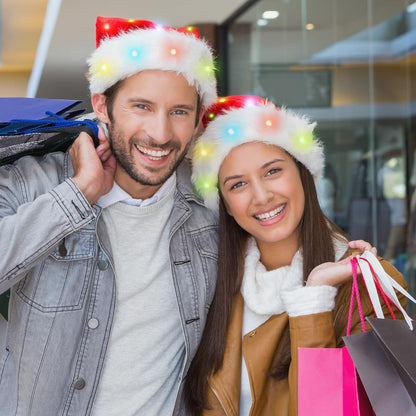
(283, 267)
(261, 188)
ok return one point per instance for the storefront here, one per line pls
(351, 66)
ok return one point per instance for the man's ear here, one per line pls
(201, 113)
(198, 128)
(99, 105)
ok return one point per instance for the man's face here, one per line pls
(150, 129)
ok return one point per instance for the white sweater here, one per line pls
(146, 349)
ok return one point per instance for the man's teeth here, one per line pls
(153, 154)
(270, 214)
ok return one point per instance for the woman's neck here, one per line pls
(279, 254)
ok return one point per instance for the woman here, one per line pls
(284, 270)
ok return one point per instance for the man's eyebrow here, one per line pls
(185, 106)
(140, 99)
(189, 107)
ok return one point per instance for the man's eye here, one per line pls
(142, 106)
(180, 112)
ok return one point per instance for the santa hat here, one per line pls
(126, 47)
(239, 119)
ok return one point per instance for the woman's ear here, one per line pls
(227, 207)
(99, 105)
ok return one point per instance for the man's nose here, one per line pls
(160, 129)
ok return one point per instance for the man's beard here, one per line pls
(150, 176)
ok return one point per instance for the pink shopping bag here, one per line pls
(328, 383)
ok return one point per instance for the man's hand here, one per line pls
(94, 168)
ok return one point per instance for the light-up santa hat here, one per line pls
(126, 47)
(239, 119)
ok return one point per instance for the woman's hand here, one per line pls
(362, 246)
(331, 273)
(336, 273)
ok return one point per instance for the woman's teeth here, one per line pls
(270, 214)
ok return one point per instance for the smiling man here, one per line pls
(110, 257)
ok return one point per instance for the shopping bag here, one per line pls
(383, 385)
(35, 108)
(384, 358)
(38, 136)
(328, 384)
(399, 344)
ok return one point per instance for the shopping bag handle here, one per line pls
(355, 293)
(57, 121)
(373, 273)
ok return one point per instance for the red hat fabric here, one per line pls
(128, 46)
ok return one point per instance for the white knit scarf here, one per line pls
(261, 289)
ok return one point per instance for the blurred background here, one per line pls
(349, 65)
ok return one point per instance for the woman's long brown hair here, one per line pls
(316, 239)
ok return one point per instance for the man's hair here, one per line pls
(110, 96)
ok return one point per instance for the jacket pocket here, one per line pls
(206, 243)
(60, 282)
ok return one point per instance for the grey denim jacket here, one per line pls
(56, 258)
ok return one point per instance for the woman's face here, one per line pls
(262, 190)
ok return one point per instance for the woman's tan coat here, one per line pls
(272, 397)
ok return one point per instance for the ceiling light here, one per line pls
(261, 22)
(309, 26)
(411, 8)
(270, 14)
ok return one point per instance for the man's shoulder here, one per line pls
(50, 168)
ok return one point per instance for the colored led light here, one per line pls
(206, 184)
(211, 115)
(106, 26)
(204, 150)
(304, 141)
(233, 131)
(173, 51)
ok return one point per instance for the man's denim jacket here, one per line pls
(56, 258)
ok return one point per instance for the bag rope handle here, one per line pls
(355, 293)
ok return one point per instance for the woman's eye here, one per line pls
(273, 171)
(237, 185)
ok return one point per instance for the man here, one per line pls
(110, 257)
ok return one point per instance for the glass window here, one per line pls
(349, 65)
